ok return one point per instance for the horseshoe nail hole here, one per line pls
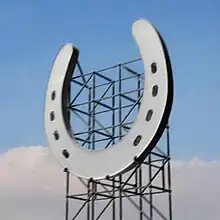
(65, 153)
(137, 140)
(155, 90)
(52, 116)
(56, 135)
(53, 95)
(154, 67)
(149, 115)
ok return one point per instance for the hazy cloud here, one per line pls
(32, 187)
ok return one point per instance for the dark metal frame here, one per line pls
(148, 179)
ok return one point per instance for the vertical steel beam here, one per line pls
(93, 110)
(90, 117)
(169, 172)
(67, 194)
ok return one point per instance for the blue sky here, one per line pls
(32, 33)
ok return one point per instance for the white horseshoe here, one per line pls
(146, 130)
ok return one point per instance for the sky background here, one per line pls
(33, 32)
(31, 185)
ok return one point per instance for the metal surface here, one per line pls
(145, 132)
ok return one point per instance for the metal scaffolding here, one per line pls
(102, 106)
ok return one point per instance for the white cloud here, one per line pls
(32, 187)
(196, 186)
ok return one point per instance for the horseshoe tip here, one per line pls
(140, 22)
(69, 46)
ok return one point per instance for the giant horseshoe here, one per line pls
(146, 130)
